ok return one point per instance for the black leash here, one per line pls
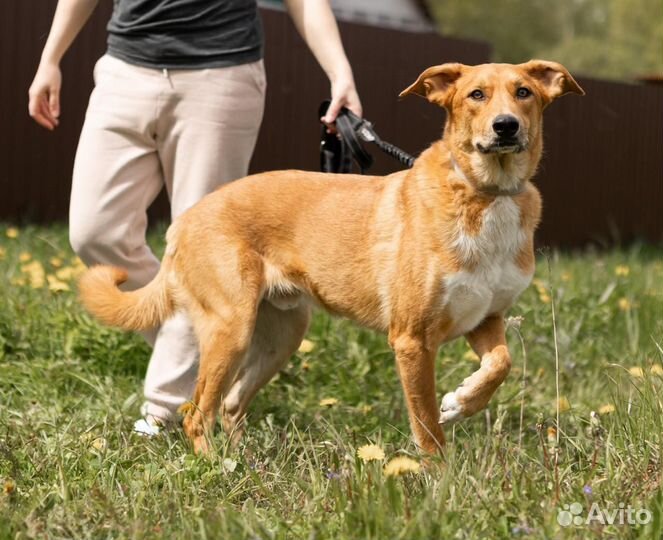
(337, 150)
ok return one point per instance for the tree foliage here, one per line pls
(617, 39)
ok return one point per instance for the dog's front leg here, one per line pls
(489, 341)
(416, 367)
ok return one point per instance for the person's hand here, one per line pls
(44, 94)
(344, 94)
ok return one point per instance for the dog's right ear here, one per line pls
(436, 84)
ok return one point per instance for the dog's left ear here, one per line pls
(553, 78)
(436, 83)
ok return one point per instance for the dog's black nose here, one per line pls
(506, 125)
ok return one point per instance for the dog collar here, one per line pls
(495, 191)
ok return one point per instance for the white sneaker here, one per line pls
(149, 426)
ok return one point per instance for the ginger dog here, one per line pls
(427, 255)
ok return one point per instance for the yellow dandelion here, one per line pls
(566, 276)
(12, 232)
(624, 304)
(29, 268)
(328, 402)
(551, 434)
(656, 369)
(68, 273)
(636, 372)
(607, 408)
(541, 288)
(9, 487)
(365, 409)
(471, 356)
(78, 264)
(370, 452)
(100, 444)
(55, 285)
(55, 262)
(24, 256)
(65, 274)
(539, 283)
(306, 346)
(622, 270)
(563, 404)
(401, 465)
(545, 298)
(86, 438)
(36, 274)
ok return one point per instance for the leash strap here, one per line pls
(338, 150)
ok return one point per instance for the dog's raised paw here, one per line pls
(450, 411)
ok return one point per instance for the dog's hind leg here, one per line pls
(222, 350)
(489, 341)
(224, 314)
(276, 337)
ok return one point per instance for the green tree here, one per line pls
(620, 39)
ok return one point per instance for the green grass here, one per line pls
(70, 391)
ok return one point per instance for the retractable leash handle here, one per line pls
(337, 151)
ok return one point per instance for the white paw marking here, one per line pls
(451, 411)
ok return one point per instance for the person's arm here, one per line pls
(44, 94)
(316, 24)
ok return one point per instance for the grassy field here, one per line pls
(70, 390)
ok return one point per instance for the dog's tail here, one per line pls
(131, 310)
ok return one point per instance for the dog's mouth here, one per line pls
(502, 146)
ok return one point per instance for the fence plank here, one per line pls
(602, 173)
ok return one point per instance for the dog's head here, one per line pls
(495, 109)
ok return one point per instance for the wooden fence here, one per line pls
(601, 177)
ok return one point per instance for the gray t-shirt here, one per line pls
(185, 34)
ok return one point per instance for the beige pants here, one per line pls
(187, 130)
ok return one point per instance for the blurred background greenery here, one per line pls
(611, 39)
(614, 39)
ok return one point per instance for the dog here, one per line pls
(426, 255)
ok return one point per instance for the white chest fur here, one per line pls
(495, 280)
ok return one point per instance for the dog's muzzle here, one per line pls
(502, 146)
(506, 131)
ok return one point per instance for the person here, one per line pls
(178, 101)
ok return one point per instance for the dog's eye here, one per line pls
(477, 95)
(523, 92)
